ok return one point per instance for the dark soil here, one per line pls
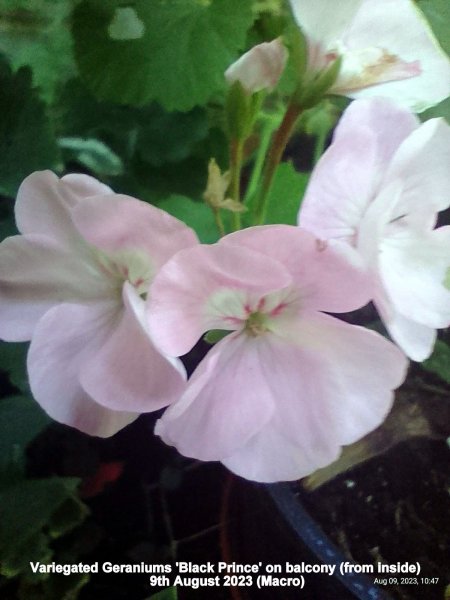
(396, 506)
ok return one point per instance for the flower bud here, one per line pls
(260, 68)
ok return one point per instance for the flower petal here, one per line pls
(178, 309)
(43, 204)
(422, 164)
(347, 373)
(324, 21)
(322, 272)
(226, 402)
(399, 28)
(388, 122)
(341, 187)
(269, 457)
(128, 372)
(415, 339)
(118, 222)
(36, 273)
(413, 268)
(66, 338)
(259, 68)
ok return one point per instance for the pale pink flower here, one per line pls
(73, 283)
(260, 68)
(379, 188)
(387, 49)
(278, 396)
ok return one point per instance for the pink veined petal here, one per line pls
(36, 273)
(333, 383)
(226, 402)
(118, 222)
(322, 272)
(324, 20)
(259, 68)
(178, 306)
(422, 164)
(269, 456)
(128, 373)
(388, 122)
(68, 336)
(41, 208)
(349, 373)
(399, 28)
(413, 267)
(341, 187)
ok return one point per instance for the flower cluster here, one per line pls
(112, 291)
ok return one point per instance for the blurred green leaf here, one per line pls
(13, 361)
(150, 133)
(439, 361)
(167, 594)
(93, 154)
(286, 194)
(437, 13)
(21, 420)
(195, 214)
(169, 137)
(56, 587)
(27, 142)
(35, 33)
(440, 110)
(173, 52)
(215, 335)
(26, 509)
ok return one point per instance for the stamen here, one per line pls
(256, 324)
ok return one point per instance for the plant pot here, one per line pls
(390, 508)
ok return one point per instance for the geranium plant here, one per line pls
(185, 220)
(112, 291)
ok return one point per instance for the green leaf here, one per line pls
(93, 154)
(173, 52)
(285, 196)
(195, 214)
(437, 13)
(27, 142)
(35, 33)
(21, 420)
(440, 110)
(26, 509)
(165, 137)
(439, 361)
(13, 361)
(215, 335)
(167, 594)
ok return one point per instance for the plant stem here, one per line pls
(279, 142)
(266, 134)
(236, 156)
(218, 221)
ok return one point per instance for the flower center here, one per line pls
(126, 265)
(256, 324)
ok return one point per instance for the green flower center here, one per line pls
(256, 324)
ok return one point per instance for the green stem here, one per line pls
(279, 142)
(218, 221)
(266, 134)
(236, 157)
